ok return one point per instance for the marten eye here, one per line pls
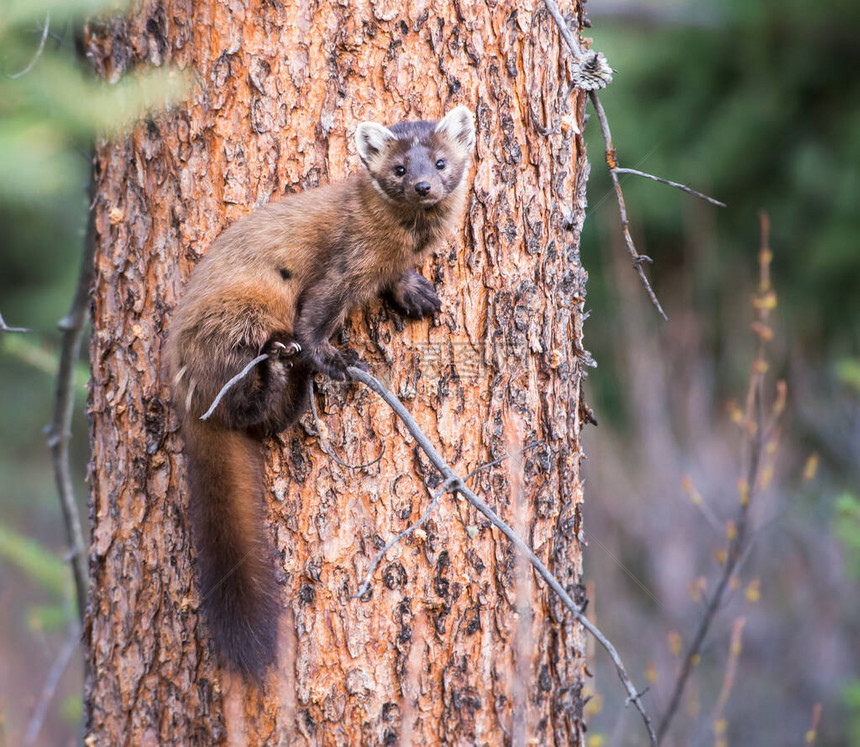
(399, 170)
(440, 164)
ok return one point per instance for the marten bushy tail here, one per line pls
(238, 589)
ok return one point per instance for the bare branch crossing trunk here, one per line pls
(432, 656)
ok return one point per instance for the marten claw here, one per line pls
(277, 349)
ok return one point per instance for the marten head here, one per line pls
(418, 163)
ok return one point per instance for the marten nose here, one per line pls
(423, 188)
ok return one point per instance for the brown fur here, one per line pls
(292, 271)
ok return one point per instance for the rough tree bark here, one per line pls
(449, 649)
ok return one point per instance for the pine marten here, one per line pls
(281, 281)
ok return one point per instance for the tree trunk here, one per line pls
(457, 643)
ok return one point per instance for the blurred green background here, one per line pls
(757, 104)
(50, 111)
(754, 103)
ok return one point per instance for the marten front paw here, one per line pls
(350, 358)
(415, 297)
(333, 362)
(325, 359)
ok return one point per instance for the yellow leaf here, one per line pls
(753, 592)
(735, 412)
(651, 673)
(810, 469)
(765, 301)
(744, 492)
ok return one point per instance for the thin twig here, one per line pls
(676, 185)
(718, 720)
(497, 462)
(45, 30)
(51, 683)
(59, 432)
(638, 259)
(324, 445)
(612, 163)
(563, 28)
(812, 733)
(437, 495)
(758, 429)
(447, 485)
(5, 328)
(442, 466)
(230, 384)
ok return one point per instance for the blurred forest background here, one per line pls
(757, 104)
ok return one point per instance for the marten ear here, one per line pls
(459, 125)
(371, 140)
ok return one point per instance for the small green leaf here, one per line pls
(41, 358)
(848, 372)
(71, 709)
(48, 617)
(846, 528)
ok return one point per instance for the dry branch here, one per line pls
(46, 28)
(437, 495)
(718, 721)
(564, 29)
(447, 485)
(638, 259)
(59, 432)
(235, 380)
(758, 427)
(49, 689)
(5, 328)
(612, 163)
(445, 470)
(812, 733)
(590, 74)
(667, 182)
